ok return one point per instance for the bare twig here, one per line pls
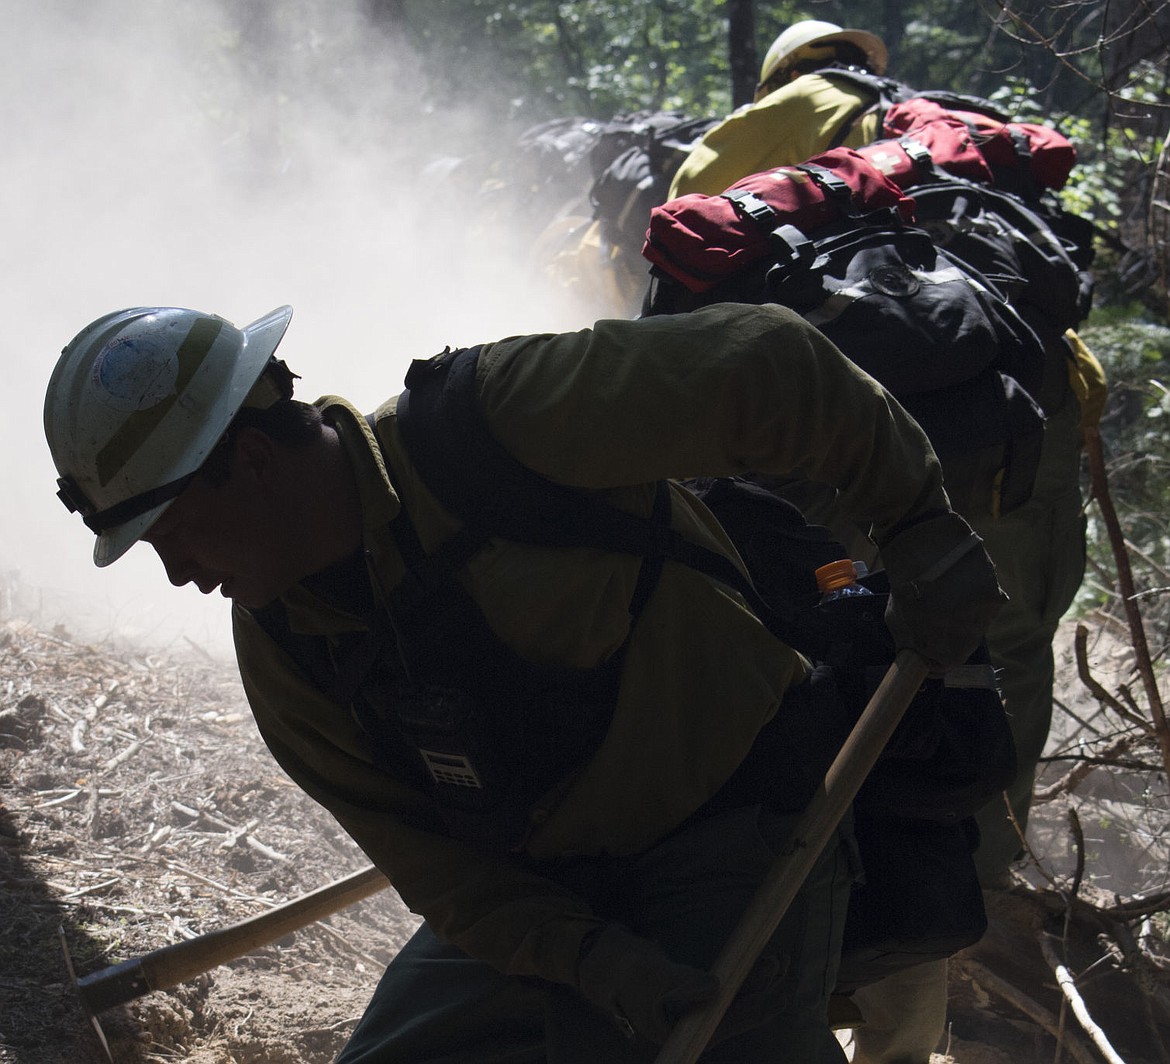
(1074, 823)
(1085, 768)
(1029, 1007)
(1100, 481)
(254, 843)
(1022, 836)
(1094, 686)
(1086, 725)
(1068, 987)
(123, 756)
(1133, 548)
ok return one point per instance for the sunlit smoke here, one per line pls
(180, 154)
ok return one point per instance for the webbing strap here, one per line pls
(473, 476)
(919, 153)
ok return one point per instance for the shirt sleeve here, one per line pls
(728, 389)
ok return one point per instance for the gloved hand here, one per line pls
(633, 980)
(943, 590)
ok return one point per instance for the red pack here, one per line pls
(699, 240)
(1015, 151)
(943, 142)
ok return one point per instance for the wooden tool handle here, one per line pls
(175, 964)
(810, 836)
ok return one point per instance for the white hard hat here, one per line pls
(812, 34)
(137, 402)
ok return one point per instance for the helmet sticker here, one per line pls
(135, 375)
(144, 384)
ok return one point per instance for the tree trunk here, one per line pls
(741, 49)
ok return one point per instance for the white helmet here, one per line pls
(810, 36)
(139, 399)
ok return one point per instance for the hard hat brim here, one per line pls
(115, 542)
(263, 336)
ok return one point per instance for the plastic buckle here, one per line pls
(836, 186)
(751, 206)
(75, 500)
(919, 153)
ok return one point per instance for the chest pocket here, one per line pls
(448, 707)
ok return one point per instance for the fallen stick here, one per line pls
(171, 965)
(1068, 987)
(1030, 1008)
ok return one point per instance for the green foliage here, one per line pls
(593, 57)
(1114, 157)
(1135, 434)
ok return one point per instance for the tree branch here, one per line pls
(1068, 987)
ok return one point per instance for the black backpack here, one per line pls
(1025, 259)
(927, 325)
(952, 752)
(1011, 228)
(634, 159)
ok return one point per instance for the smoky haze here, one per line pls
(161, 153)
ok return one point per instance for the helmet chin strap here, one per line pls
(99, 521)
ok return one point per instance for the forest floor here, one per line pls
(139, 808)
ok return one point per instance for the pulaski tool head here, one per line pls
(90, 1014)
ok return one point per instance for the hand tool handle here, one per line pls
(175, 964)
(810, 836)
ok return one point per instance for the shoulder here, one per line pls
(814, 91)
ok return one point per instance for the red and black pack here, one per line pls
(699, 240)
(1021, 157)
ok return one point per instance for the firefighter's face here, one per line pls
(232, 537)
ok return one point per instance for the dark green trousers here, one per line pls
(435, 1005)
(1039, 555)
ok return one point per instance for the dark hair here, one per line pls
(287, 421)
(845, 53)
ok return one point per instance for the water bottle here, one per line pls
(838, 580)
(848, 611)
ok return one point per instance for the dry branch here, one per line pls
(1125, 583)
(1109, 757)
(1037, 1013)
(1068, 988)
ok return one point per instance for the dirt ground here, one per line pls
(139, 808)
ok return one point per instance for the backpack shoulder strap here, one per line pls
(887, 92)
(473, 476)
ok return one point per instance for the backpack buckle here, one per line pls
(75, 500)
(800, 249)
(751, 206)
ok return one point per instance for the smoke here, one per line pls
(211, 156)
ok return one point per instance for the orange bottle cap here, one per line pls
(836, 574)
